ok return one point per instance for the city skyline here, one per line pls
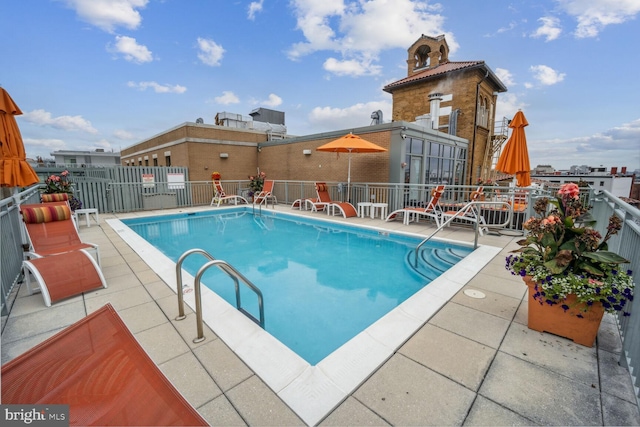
(108, 74)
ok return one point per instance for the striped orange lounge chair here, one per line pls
(432, 210)
(51, 230)
(324, 203)
(97, 367)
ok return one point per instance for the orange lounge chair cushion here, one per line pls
(97, 367)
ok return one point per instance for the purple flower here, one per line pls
(565, 307)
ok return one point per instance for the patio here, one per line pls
(473, 363)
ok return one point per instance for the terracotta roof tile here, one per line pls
(428, 73)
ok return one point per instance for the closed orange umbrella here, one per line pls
(514, 159)
(350, 144)
(14, 169)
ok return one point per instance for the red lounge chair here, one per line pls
(432, 210)
(97, 367)
(324, 202)
(64, 275)
(219, 195)
(51, 230)
(265, 195)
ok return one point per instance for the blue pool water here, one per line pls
(322, 283)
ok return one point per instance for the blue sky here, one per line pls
(108, 73)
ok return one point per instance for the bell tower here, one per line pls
(427, 52)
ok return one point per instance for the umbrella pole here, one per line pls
(349, 180)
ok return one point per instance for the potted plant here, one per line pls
(60, 184)
(572, 277)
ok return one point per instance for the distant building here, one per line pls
(98, 157)
(543, 169)
(619, 186)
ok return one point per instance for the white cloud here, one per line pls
(67, 123)
(210, 53)
(594, 15)
(507, 106)
(43, 144)
(254, 7)
(546, 75)
(352, 67)
(109, 14)
(123, 134)
(273, 100)
(550, 28)
(131, 50)
(325, 118)
(227, 98)
(505, 76)
(359, 31)
(613, 147)
(157, 87)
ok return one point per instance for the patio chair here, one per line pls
(469, 212)
(51, 230)
(324, 203)
(64, 275)
(265, 195)
(97, 367)
(220, 196)
(432, 210)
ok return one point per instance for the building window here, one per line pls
(146, 162)
(601, 183)
(155, 161)
(167, 160)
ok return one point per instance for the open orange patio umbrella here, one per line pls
(514, 159)
(14, 169)
(350, 144)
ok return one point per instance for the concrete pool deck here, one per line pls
(474, 362)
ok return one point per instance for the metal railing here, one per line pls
(231, 272)
(12, 238)
(627, 244)
(476, 223)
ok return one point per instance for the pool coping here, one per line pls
(314, 391)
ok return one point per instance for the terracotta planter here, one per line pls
(553, 319)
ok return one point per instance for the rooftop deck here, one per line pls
(474, 362)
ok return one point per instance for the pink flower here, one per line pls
(570, 189)
(64, 173)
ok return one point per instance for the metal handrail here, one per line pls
(181, 314)
(231, 272)
(476, 224)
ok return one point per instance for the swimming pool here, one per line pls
(312, 391)
(322, 283)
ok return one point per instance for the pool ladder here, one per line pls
(231, 272)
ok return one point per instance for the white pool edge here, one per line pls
(313, 391)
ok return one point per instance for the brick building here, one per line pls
(421, 150)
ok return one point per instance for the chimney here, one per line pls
(623, 171)
(614, 170)
(434, 109)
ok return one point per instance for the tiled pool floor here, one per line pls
(474, 362)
